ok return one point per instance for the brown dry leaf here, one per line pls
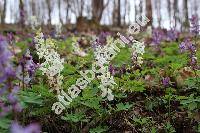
(184, 73)
(197, 116)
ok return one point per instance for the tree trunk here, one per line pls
(49, 11)
(175, 12)
(196, 2)
(141, 7)
(114, 14)
(4, 13)
(33, 8)
(136, 10)
(119, 13)
(125, 12)
(60, 17)
(186, 22)
(169, 10)
(97, 10)
(149, 12)
(22, 13)
(158, 6)
(67, 10)
(81, 8)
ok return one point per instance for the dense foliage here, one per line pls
(161, 94)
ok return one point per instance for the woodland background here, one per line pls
(162, 13)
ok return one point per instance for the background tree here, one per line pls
(98, 7)
(22, 13)
(169, 11)
(3, 14)
(185, 23)
(125, 11)
(158, 11)
(116, 14)
(149, 12)
(60, 16)
(119, 13)
(175, 17)
(77, 7)
(49, 11)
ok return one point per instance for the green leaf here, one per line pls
(5, 123)
(192, 106)
(99, 129)
(75, 117)
(92, 103)
(134, 86)
(28, 97)
(153, 130)
(122, 106)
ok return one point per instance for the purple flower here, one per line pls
(10, 37)
(187, 45)
(5, 54)
(2, 90)
(157, 36)
(30, 66)
(102, 38)
(53, 34)
(4, 109)
(7, 74)
(123, 69)
(112, 70)
(183, 46)
(26, 66)
(193, 61)
(194, 24)
(17, 107)
(172, 35)
(32, 128)
(12, 96)
(5, 64)
(166, 81)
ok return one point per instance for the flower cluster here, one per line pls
(26, 69)
(7, 75)
(53, 64)
(194, 24)
(114, 70)
(166, 81)
(13, 99)
(10, 37)
(32, 128)
(102, 38)
(5, 64)
(137, 52)
(172, 35)
(103, 55)
(157, 36)
(107, 84)
(188, 46)
(76, 48)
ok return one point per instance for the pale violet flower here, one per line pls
(53, 64)
(137, 52)
(138, 47)
(76, 48)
